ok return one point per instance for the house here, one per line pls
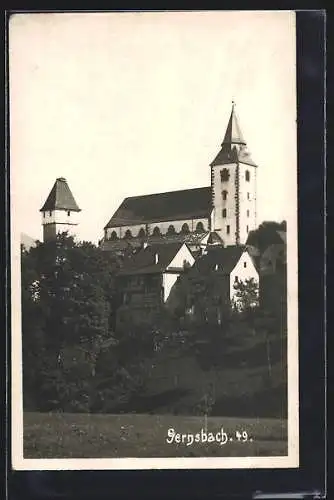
(268, 247)
(147, 278)
(226, 208)
(273, 278)
(211, 281)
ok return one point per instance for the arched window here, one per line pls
(247, 176)
(156, 231)
(128, 234)
(224, 213)
(185, 229)
(171, 230)
(113, 236)
(200, 227)
(224, 194)
(224, 175)
(141, 233)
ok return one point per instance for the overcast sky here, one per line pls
(123, 104)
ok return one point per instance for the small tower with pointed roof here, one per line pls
(233, 187)
(60, 211)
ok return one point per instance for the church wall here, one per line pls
(221, 223)
(247, 196)
(121, 230)
(163, 226)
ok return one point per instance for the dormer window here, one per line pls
(224, 175)
(247, 175)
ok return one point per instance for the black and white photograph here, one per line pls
(154, 259)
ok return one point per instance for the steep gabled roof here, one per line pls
(191, 239)
(173, 205)
(60, 198)
(222, 259)
(144, 261)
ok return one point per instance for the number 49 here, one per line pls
(241, 436)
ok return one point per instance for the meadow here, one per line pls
(70, 435)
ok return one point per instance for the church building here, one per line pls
(225, 210)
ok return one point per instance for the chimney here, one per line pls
(156, 258)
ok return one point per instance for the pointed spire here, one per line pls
(234, 146)
(233, 133)
(60, 198)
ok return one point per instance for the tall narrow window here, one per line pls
(185, 229)
(224, 213)
(156, 231)
(43, 214)
(113, 236)
(227, 229)
(248, 196)
(68, 213)
(128, 234)
(50, 213)
(247, 213)
(199, 227)
(247, 176)
(247, 229)
(171, 230)
(224, 194)
(224, 175)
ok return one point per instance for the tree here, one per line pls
(246, 298)
(68, 294)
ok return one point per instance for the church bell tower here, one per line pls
(233, 187)
(59, 212)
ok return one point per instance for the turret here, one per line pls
(60, 211)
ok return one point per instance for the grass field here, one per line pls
(64, 435)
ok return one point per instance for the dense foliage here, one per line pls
(74, 359)
(70, 353)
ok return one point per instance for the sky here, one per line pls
(124, 104)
